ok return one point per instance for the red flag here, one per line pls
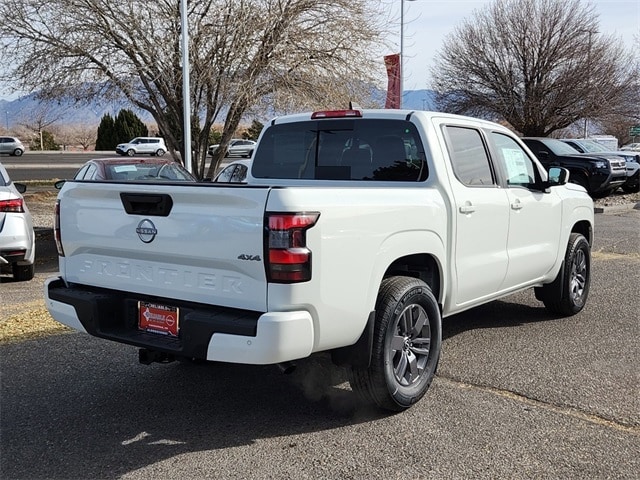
(392, 62)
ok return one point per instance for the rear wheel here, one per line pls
(568, 293)
(23, 273)
(159, 152)
(406, 346)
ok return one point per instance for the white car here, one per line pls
(235, 172)
(634, 147)
(237, 148)
(143, 145)
(17, 239)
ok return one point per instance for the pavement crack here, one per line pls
(561, 409)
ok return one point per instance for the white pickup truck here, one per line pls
(356, 233)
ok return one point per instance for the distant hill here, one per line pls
(22, 109)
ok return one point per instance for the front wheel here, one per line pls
(17, 152)
(568, 293)
(23, 273)
(632, 188)
(131, 152)
(580, 180)
(406, 346)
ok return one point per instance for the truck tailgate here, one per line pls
(199, 243)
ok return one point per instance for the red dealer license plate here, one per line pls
(156, 318)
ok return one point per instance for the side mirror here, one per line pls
(558, 176)
(58, 185)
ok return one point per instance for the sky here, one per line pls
(428, 22)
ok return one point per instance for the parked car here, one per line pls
(12, 146)
(132, 169)
(598, 174)
(17, 239)
(631, 158)
(634, 147)
(235, 172)
(143, 145)
(237, 148)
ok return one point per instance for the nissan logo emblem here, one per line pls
(146, 230)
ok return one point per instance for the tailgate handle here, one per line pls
(151, 204)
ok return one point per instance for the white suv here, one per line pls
(145, 145)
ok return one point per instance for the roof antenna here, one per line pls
(354, 106)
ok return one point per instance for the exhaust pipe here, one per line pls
(147, 357)
(287, 367)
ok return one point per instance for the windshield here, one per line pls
(341, 149)
(592, 146)
(558, 147)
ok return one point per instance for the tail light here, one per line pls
(56, 229)
(288, 258)
(15, 205)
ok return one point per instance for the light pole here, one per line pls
(6, 113)
(186, 91)
(586, 118)
(402, 49)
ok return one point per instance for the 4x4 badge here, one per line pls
(146, 230)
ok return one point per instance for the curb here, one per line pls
(617, 208)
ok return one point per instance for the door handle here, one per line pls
(468, 208)
(517, 205)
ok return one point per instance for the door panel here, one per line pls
(481, 217)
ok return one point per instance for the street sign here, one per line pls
(635, 130)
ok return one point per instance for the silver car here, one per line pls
(17, 239)
(237, 148)
(12, 146)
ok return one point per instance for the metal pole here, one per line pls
(586, 118)
(186, 93)
(401, 51)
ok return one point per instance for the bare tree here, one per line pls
(83, 135)
(245, 56)
(541, 65)
(40, 118)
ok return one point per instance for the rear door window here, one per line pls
(469, 156)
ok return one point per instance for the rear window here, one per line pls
(146, 171)
(342, 149)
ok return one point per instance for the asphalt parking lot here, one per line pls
(519, 394)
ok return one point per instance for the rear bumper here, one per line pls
(206, 332)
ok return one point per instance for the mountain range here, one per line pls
(26, 108)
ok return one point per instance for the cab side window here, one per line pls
(469, 156)
(518, 168)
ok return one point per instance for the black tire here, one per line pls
(406, 346)
(17, 152)
(23, 273)
(631, 188)
(580, 180)
(160, 152)
(131, 152)
(567, 294)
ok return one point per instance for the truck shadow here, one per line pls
(496, 314)
(74, 406)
